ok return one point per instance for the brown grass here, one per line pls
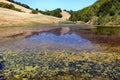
(17, 6)
(10, 17)
(65, 15)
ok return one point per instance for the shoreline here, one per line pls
(29, 30)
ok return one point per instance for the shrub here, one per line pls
(34, 12)
(16, 9)
(119, 13)
(112, 13)
(21, 4)
(55, 12)
(9, 6)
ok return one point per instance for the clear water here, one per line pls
(71, 41)
(63, 39)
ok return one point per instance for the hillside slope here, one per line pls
(11, 17)
(102, 12)
(65, 15)
(17, 6)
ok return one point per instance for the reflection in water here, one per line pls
(70, 41)
(66, 41)
(65, 30)
(63, 38)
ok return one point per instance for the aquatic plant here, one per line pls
(59, 65)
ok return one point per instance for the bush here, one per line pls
(16, 9)
(34, 12)
(119, 13)
(9, 6)
(21, 4)
(112, 13)
(55, 12)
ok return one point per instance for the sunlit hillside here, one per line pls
(12, 17)
(102, 12)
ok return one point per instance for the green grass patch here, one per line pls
(67, 22)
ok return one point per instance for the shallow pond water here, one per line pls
(63, 38)
(67, 41)
(49, 55)
(74, 38)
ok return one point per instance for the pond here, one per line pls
(67, 52)
(73, 38)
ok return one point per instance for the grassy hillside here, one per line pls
(26, 10)
(21, 4)
(55, 12)
(102, 12)
(9, 6)
(11, 17)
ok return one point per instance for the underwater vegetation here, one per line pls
(59, 65)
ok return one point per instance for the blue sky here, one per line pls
(53, 4)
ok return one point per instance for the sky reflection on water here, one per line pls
(64, 41)
(64, 38)
(72, 38)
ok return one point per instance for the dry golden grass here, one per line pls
(65, 15)
(10, 17)
(17, 6)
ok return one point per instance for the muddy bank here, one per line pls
(22, 31)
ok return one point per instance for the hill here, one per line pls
(12, 17)
(65, 15)
(57, 13)
(17, 6)
(102, 12)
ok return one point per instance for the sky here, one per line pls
(53, 4)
